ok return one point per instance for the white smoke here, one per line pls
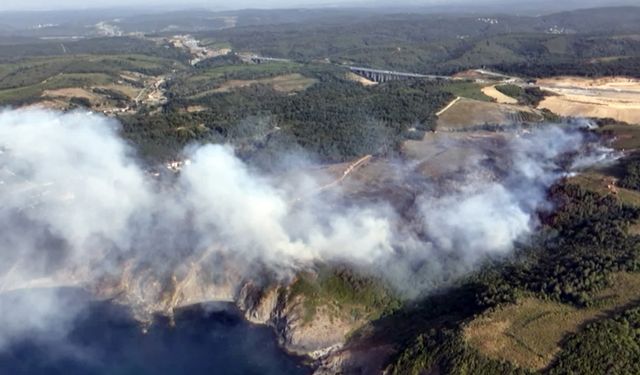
(46, 315)
(73, 198)
(489, 216)
(478, 219)
(485, 216)
(70, 172)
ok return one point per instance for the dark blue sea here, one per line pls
(104, 339)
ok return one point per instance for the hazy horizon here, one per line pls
(161, 5)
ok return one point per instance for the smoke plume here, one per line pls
(77, 209)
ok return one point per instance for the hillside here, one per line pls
(484, 221)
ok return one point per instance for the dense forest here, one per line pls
(631, 177)
(99, 46)
(578, 42)
(608, 346)
(334, 120)
(447, 44)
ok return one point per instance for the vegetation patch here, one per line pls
(498, 95)
(624, 137)
(624, 190)
(284, 83)
(609, 346)
(467, 114)
(530, 96)
(344, 292)
(244, 71)
(529, 333)
(26, 81)
(466, 89)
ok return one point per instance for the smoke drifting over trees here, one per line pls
(76, 207)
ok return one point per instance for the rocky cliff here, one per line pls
(311, 315)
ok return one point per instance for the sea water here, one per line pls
(103, 339)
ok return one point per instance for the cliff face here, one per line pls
(322, 336)
(304, 324)
(326, 331)
(298, 331)
(361, 361)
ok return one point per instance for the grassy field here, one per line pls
(627, 137)
(286, 83)
(64, 80)
(468, 113)
(32, 93)
(529, 333)
(21, 94)
(250, 71)
(26, 81)
(36, 70)
(466, 89)
(602, 183)
(215, 44)
(499, 96)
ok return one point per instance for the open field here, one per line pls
(498, 96)
(613, 97)
(63, 87)
(466, 89)
(68, 93)
(284, 83)
(604, 184)
(440, 154)
(239, 71)
(36, 70)
(468, 113)
(529, 332)
(37, 79)
(479, 75)
(625, 137)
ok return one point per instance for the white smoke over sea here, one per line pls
(76, 207)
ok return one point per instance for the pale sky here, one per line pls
(13, 5)
(213, 4)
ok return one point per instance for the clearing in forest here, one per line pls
(286, 83)
(529, 332)
(498, 96)
(468, 113)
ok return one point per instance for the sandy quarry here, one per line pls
(611, 97)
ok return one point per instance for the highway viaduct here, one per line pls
(381, 76)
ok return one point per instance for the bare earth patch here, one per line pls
(196, 108)
(498, 96)
(529, 333)
(70, 93)
(361, 80)
(466, 113)
(611, 97)
(49, 104)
